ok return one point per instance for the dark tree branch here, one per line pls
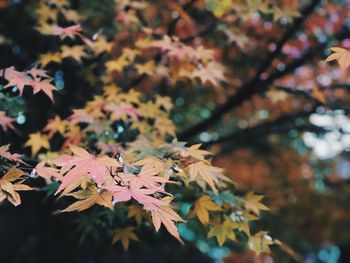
(209, 28)
(256, 84)
(308, 94)
(305, 94)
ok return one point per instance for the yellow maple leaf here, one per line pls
(71, 15)
(56, 125)
(89, 197)
(9, 186)
(287, 12)
(75, 52)
(252, 203)
(125, 235)
(164, 102)
(341, 55)
(37, 141)
(135, 211)
(147, 68)
(223, 231)
(126, 58)
(46, 59)
(102, 45)
(197, 153)
(203, 206)
(165, 126)
(260, 242)
(202, 172)
(152, 162)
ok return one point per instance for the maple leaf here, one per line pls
(37, 141)
(151, 163)
(124, 60)
(73, 136)
(203, 206)
(135, 211)
(38, 73)
(289, 13)
(167, 216)
(223, 231)
(102, 45)
(125, 235)
(135, 191)
(260, 242)
(165, 126)
(147, 68)
(75, 52)
(47, 172)
(4, 153)
(201, 171)
(56, 125)
(45, 86)
(9, 188)
(212, 72)
(46, 59)
(89, 197)
(192, 151)
(70, 31)
(252, 203)
(36, 78)
(341, 55)
(71, 15)
(6, 122)
(17, 78)
(121, 111)
(147, 177)
(81, 115)
(83, 165)
(164, 102)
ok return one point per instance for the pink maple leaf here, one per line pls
(47, 172)
(36, 78)
(45, 86)
(4, 153)
(38, 73)
(16, 78)
(147, 177)
(83, 164)
(6, 122)
(134, 190)
(70, 31)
